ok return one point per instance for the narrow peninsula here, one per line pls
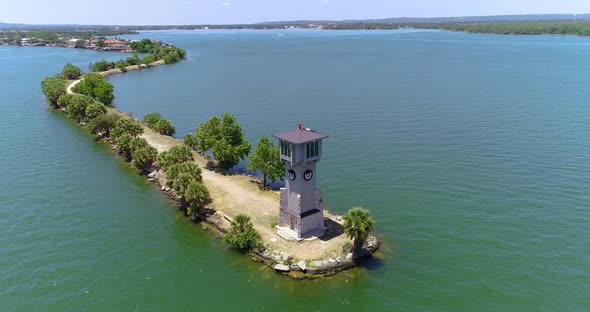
(288, 230)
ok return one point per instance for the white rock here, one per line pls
(153, 174)
(274, 240)
(281, 267)
(349, 256)
(301, 265)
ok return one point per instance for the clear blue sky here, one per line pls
(175, 12)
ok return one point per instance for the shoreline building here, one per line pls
(301, 212)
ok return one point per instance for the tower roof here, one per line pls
(300, 135)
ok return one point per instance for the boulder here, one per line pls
(301, 264)
(281, 267)
(152, 175)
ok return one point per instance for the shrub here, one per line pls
(358, 224)
(191, 141)
(148, 59)
(165, 127)
(65, 99)
(53, 88)
(242, 234)
(144, 157)
(123, 143)
(94, 110)
(175, 155)
(103, 124)
(71, 72)
(197, 197)
(152, 119)
(187, 167)
(76, 108)
(96, 86)
(130, 126)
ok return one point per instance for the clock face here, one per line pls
(291, 174)
(307, 175)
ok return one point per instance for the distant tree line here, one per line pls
(580, 28)
(53, 35)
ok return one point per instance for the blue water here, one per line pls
(471, 151)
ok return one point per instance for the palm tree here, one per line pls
(197, 197)
(358, 224)
(242, 234)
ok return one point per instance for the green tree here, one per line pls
(130, 126)
(144, 46)
(103, 124)
(133, 60)
(65, 99)
(100, 43)
(94, 110)
(267, 160)
(197, 197)
(358, 224)
(123, 143)
(242, 234)
(96, 86)
(191, 141)
(71, 72)
(175, 155)
(144, 157)
(54, 88)
(76, 108)
(208, 133)
(122, 67)
(137, 143)
(165, 127)
(80, 43)
(152, 119)
(148, 59)
(225, 137)
(187, 167)
(101, 66)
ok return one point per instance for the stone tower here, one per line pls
(301, 211)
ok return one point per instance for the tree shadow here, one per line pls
(370, 263)
(334, 229)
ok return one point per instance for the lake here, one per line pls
(471, 151)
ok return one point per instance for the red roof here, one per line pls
(298, 136)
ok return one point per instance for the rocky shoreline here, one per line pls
(282, 262)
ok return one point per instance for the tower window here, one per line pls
(312, 149)
(285, 148)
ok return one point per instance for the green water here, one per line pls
(471, 151)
